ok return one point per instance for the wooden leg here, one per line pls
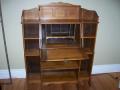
(78, 86)
(0, 87)
(41, 86)
(89, 82)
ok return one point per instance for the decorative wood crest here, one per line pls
(59, 11)
(59, 4)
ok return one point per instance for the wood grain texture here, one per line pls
(69, 54)
(60, 12)
(99, 82)
(59, 65)
(77, 32)
(0, 87)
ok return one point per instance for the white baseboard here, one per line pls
(97, 69)
(108, 68)
(15, 73)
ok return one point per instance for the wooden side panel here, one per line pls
(89, 15)
(31, 15)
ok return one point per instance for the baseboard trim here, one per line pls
(15, 73)
(108, 68)
(97, 69)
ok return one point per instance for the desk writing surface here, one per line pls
(65, 54)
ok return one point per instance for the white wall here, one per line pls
(107, 44)
(3, 61)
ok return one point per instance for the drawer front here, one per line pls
(59, 65)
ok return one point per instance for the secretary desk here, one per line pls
(59, 42)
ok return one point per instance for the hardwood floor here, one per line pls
(99, 82)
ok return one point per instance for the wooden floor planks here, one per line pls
(99, 82)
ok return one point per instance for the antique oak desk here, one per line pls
(59, 41)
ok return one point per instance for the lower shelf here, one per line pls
(88, 51)
(32, 52)
(59, 77)
(34, 78)
(84, 75)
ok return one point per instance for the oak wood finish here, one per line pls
(59, 65)
(99, 82)
(62, 54)
(59, 41)
(0, 87)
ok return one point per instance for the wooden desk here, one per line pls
(59, 41)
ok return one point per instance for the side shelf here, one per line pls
(33, 64)
(84, 76)
(34, 78)
(32, 52)
(31, 31)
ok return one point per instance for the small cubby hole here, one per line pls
(89, 43)
(32, 44)
(33, 64)
(31, 30)
(89, 30)
(60, 33)
(86, 65)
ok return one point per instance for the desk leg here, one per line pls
(0, 87)
(89, 82)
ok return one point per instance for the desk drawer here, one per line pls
(59, 65)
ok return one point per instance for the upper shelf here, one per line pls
(58, 13)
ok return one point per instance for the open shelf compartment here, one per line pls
(34, 78)
(88, 44)
(33, 64)
(89, 30)
(31, 31)
(32, 47)
(59, 77)
(32, 52)
(83, 75)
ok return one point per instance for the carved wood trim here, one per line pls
(59, 12)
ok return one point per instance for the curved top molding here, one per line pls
(59, 4)
(59, 12)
